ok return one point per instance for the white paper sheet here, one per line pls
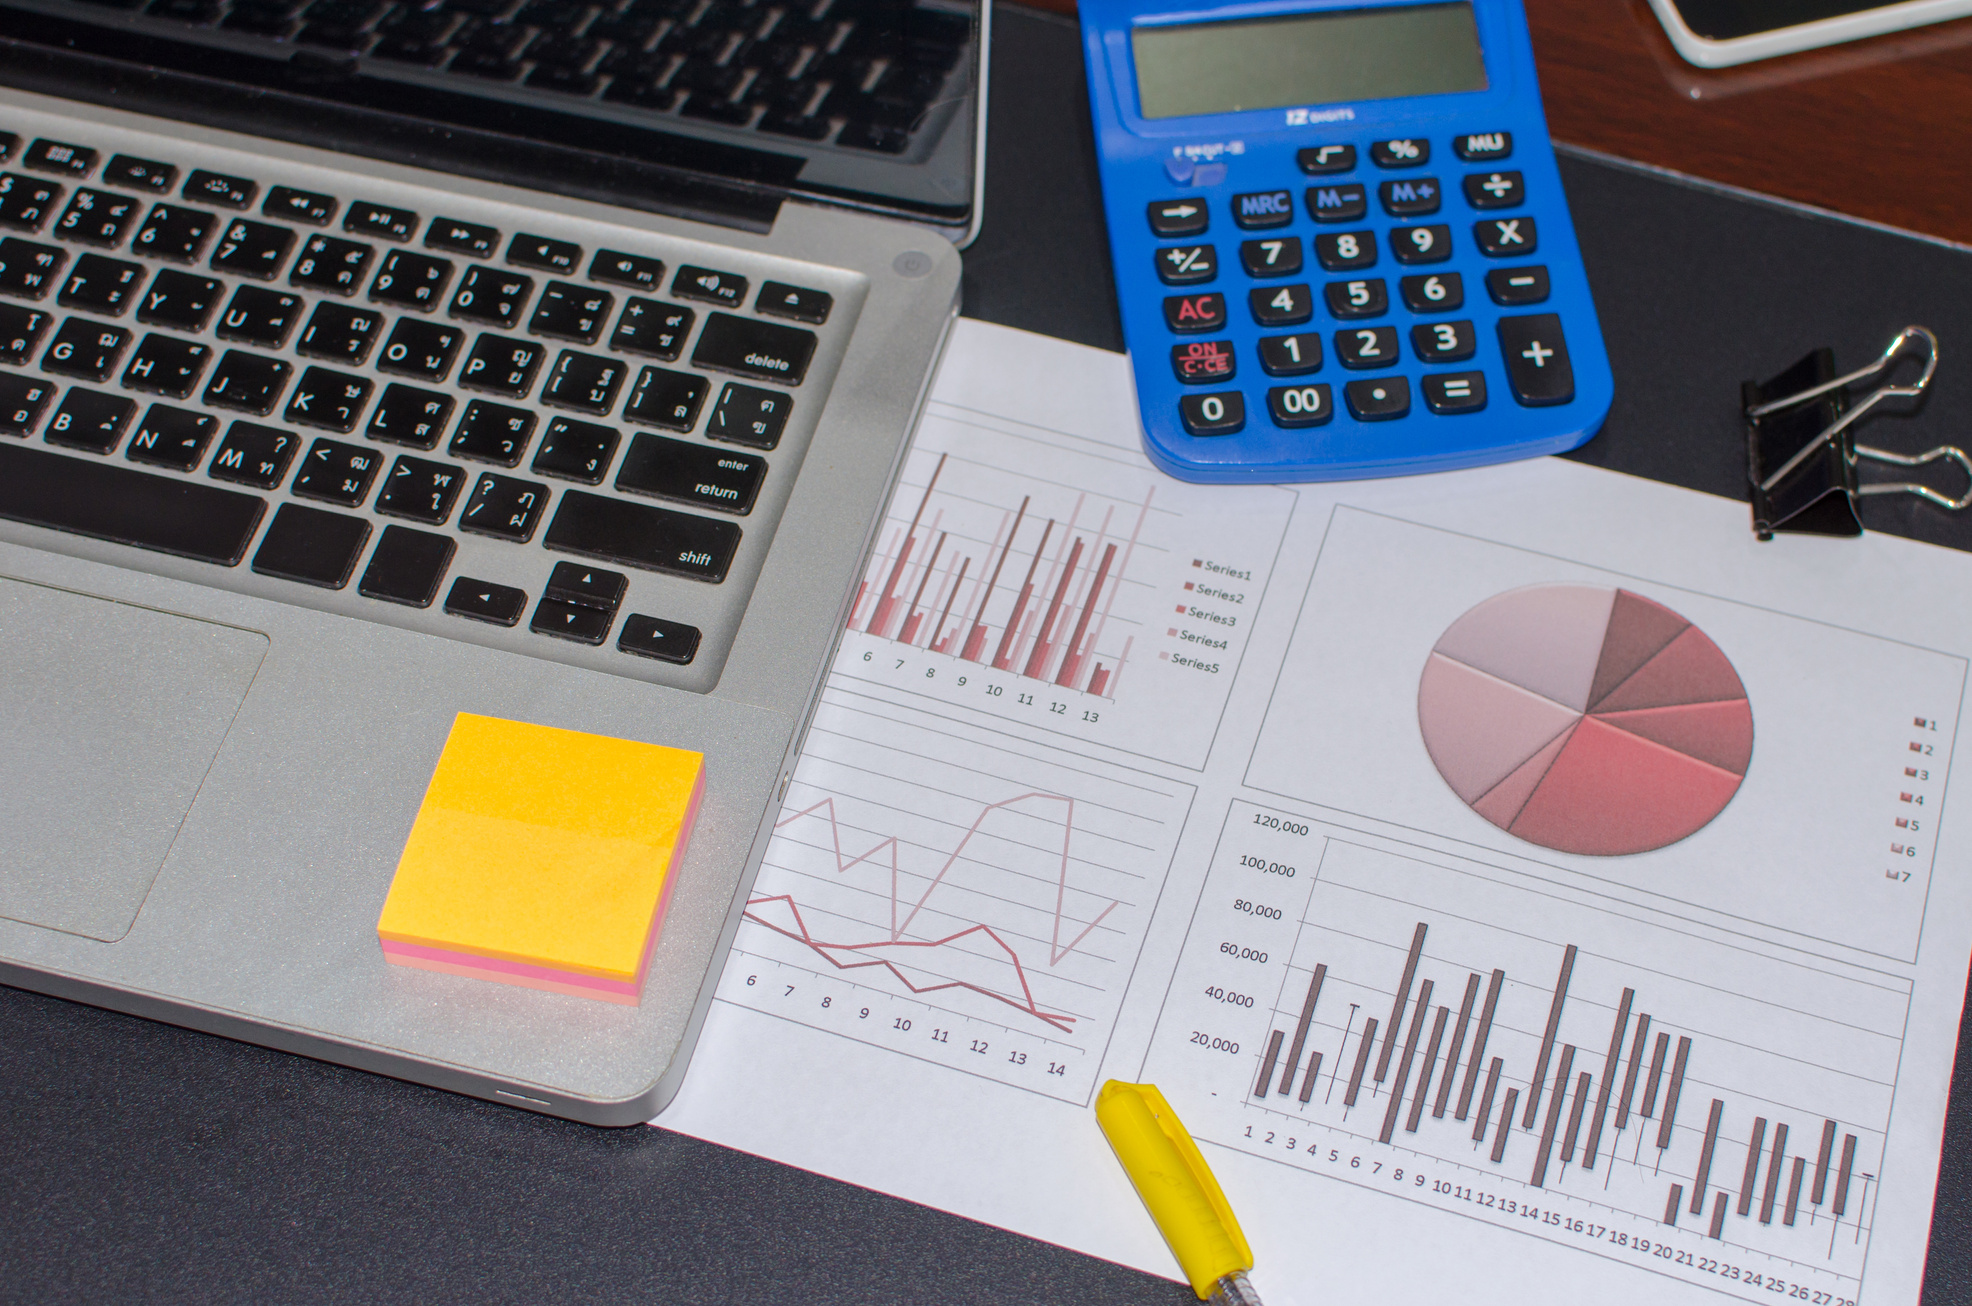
(1110, 814)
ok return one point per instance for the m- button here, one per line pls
(1536, 357)
(1186, 314)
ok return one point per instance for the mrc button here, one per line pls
(765, 351)
(1260, 209)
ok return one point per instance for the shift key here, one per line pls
(765, 351)
(640, 535)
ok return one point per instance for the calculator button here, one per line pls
(1204, 361)
(1279, 257)
(1495, 190)
(1438, 292)
(1378, 400)
(1186, 314)
(1506, 237)
(1260, 209)
(1406, 199)
(1179, 169)
(1337, 203)
(1187, 265)
(1480, 147)
(1178, 217)
(1348, 299)
(1515, 286)
(1295, 355)
(1536, 355)
(1364, 347)
(1345, 251)
(1444, 342)
(1406, 152)
(1275, 306)
(1450, 393)
(1300, 405)
(1318, 160)
(1219, 414)
(1429, 243)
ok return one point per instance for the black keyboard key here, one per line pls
(571, 621)
(1278, 257)
(53, 156)
(1180, 217)
(407, 566)
(328, 399)
(748, 415)
(1190, 314)
(105, 501)
(408, 415)
(336, 473)
(570, 312)
(1506, 237)
(652, 329)
(90, 421)
(720, 479)
(502, 366)
(492, 296)
(167, 365)
(1444, 342)
(710, 286)
(1480, 147)
(1536, 354)
(1451, 393)
(172, 437)
(331, 263)
(504, 507)
(311, 546)
(247, 382)
(28, 270)
(97, 217)
(1411, 152)
(1425, 244)
(1437, 292)
(1278, 306)
(184, 301)
(217, 188)
(20, 332)
(1495, 190)
(493, 433)
(667, 399)
(1291, 355)
(783, 300)
(1378, 400)
(632, 270)
(575, 451)
(583, 382)
(101, 285)
(1297, 406)
(1217, 414)
(299, 206)
(458, 237)
(365, 219)
(482, 600)
(1363, 347)
(1346, 251)
(1187, 265)
(133, 173)
(544, 254)
(1369, 297)
(1319, 160)
(1203, 362)
(173, 233)
(1337, 203)
(1408, 198)
(1261, 209)
(641, 535)
(22, 401)
(763, 351)
(420, 490)
(25, 203)
(257, 316)
(653, 637)
(586, 586)
(1512, 287)
(411, 280)
(423, 350)
(253, 455)
(341, 333)
(252, 249)
(84, 349)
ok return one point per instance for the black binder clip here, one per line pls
(1801, 453)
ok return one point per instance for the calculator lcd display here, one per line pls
(1270, 63)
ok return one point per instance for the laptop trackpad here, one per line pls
(110, 716)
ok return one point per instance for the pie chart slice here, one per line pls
(1585, 719)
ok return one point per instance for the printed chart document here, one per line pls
(1527, 886)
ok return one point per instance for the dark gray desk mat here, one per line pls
(139, 1161)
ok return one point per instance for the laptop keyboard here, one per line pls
(412, 405)
(861, 74)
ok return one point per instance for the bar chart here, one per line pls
(1506, 1047)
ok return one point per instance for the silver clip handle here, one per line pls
(1887, 360)
(1946, 452)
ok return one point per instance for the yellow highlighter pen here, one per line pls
(1176, 1184)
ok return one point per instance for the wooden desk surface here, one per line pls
(1879, 129)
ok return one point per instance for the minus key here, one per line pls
(1514, 286)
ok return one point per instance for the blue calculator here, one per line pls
(1341, 245)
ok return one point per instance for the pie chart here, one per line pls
(1585, 719)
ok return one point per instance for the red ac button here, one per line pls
(1188, 313)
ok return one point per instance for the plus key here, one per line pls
(1536, 357)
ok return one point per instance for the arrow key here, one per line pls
(482, 600)
(1178, 217)
(585, 586)
(571, 621)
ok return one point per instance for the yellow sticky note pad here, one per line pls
(542, 857)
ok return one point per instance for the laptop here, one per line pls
(368, 362)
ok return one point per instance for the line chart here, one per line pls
(931, 891)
